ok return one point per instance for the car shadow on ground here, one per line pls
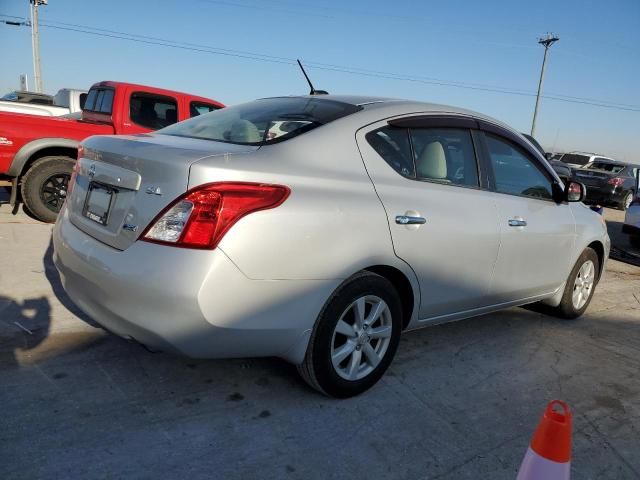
(53, 277)
(24, 326)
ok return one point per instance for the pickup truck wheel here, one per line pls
(44, 187)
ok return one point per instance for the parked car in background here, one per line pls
(631, 224)
(579, 159)
(37, 153)
(609, 182)
(66, 101)
(563, 170)
(320, 241)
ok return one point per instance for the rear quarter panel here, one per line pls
(590, 227)
(331, 226)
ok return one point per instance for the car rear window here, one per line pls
(605, 166)
(575, 159)
(262, 122)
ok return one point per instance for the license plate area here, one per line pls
(97, 205)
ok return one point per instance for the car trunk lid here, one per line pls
(123, 182)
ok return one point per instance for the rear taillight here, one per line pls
(74, 172)
(615, 181)
(201, 217)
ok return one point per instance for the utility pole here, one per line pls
(546, 42)
(35, 43)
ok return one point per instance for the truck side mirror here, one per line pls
(575, 192)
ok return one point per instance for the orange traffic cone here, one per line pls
(549, 455)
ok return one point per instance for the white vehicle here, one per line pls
(66, 101)
(580, 159)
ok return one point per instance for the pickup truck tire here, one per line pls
(44, 186)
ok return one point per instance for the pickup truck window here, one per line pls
(99, 100)
(199, 108)
(153, 111)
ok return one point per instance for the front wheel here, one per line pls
(355, 337)
(580, 285)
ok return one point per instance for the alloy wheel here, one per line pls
(361, 337)
(583, 285)
(54, 191)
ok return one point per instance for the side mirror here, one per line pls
(574, 192)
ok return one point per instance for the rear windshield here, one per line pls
(605, 166)
(99, 100)
(261, 122)
(575, 159)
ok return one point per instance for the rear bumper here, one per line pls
(193, 302)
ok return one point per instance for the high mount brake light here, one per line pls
(616, 181)
(202, 216)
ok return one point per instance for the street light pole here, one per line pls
(546, 42)
(35, 43)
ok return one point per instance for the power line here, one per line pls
(157, 41)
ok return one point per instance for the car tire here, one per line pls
(626, 201)
(349, 352)
(580, 286)
(44, 186)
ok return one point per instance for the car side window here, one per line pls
(392, 144)
(199, 108)
(153, 111)
(445, 155)
(515, 173)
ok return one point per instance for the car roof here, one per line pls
(398, 106)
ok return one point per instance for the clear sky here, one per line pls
(489, 43)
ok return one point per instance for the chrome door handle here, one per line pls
(409, 220)
(517, 222)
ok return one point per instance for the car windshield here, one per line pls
(606, 167)
(263, 121)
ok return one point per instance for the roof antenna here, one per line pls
(313, 91)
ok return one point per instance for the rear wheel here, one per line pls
(355, 337)
(580, 285)
(626, 203)
(44, 187)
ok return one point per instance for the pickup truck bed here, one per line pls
(37, 153)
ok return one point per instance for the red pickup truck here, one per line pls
(37, 153)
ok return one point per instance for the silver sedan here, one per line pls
(318, 229)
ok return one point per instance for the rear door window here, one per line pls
(445, 155)
(153, 111)
(200, 108)
(392, 144)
